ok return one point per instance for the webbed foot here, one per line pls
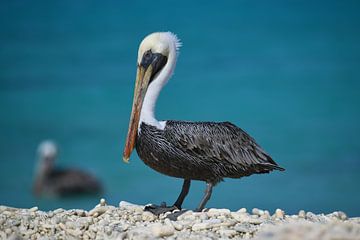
(157, 210)
(173, 216)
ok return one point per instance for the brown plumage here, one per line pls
(205, 151)
(53, 181)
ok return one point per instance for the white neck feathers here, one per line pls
(148, 108)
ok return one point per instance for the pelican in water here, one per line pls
(205, 151)
(52, 181)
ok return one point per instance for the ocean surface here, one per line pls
(287, 72)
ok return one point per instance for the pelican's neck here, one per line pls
(148, 109)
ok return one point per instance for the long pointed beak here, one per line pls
(143, 77)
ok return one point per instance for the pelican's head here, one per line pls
(47, 152)
(157, 53)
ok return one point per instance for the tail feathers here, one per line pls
(272, 166)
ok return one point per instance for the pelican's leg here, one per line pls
(157, 210)
(206, 197)
(183, 194)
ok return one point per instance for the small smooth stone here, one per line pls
(266, 214)
(74, 232)
(227, 232)
(212, 221)
(125, 204)
(256, 211)
(159, 230)
(203, 216)
(148, 216)
(239, 216)
(167, 222)
(205, 224)
(342, 215)
(33, 209)
(62, 226)
(244, 228)
(7, 213)
(200, 226)
(15, 223)
(247, 236)
(90, 234)
(255, 221)
(177, 226)
(242, 210)
(302, 214)
(227, 223)
(47, 226)
(187, 213)
(2, 235)
(312, 217)
(188, 217)
(279, 213)
(107, 230)
(221, 211)
(97, 211)
(70, 225)
(59, 210)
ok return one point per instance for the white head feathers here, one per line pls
(159, 42)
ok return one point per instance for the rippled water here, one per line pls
(286, 72)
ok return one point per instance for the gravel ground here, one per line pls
(129, 221)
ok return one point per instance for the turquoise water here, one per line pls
(286, 72)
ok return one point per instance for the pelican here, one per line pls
(52, 181)
(205, 151)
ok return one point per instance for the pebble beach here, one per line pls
(130, 221)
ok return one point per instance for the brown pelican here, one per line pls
(51, 181)
(205, 151)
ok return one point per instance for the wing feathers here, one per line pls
(223, 144)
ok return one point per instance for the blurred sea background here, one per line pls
(287, 72)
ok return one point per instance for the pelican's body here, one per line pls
(52, 181)
(205, 151)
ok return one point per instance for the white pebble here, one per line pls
(177, 225)
(255, 221)
(221, 211)
(279, 213)
(242, 210)
(257, 211)
(33, 209)
(59, 210)
(342, 215)
(200, 226)
(302, 214)
(160, 230)
(205, 224)
(97, 211)
(227, 232)
(148, 216)
(188, 217)
(125, 204)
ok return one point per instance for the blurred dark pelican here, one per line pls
(50, 181)
(206, 151)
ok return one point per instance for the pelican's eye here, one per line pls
(147, 58)
(147, 55)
